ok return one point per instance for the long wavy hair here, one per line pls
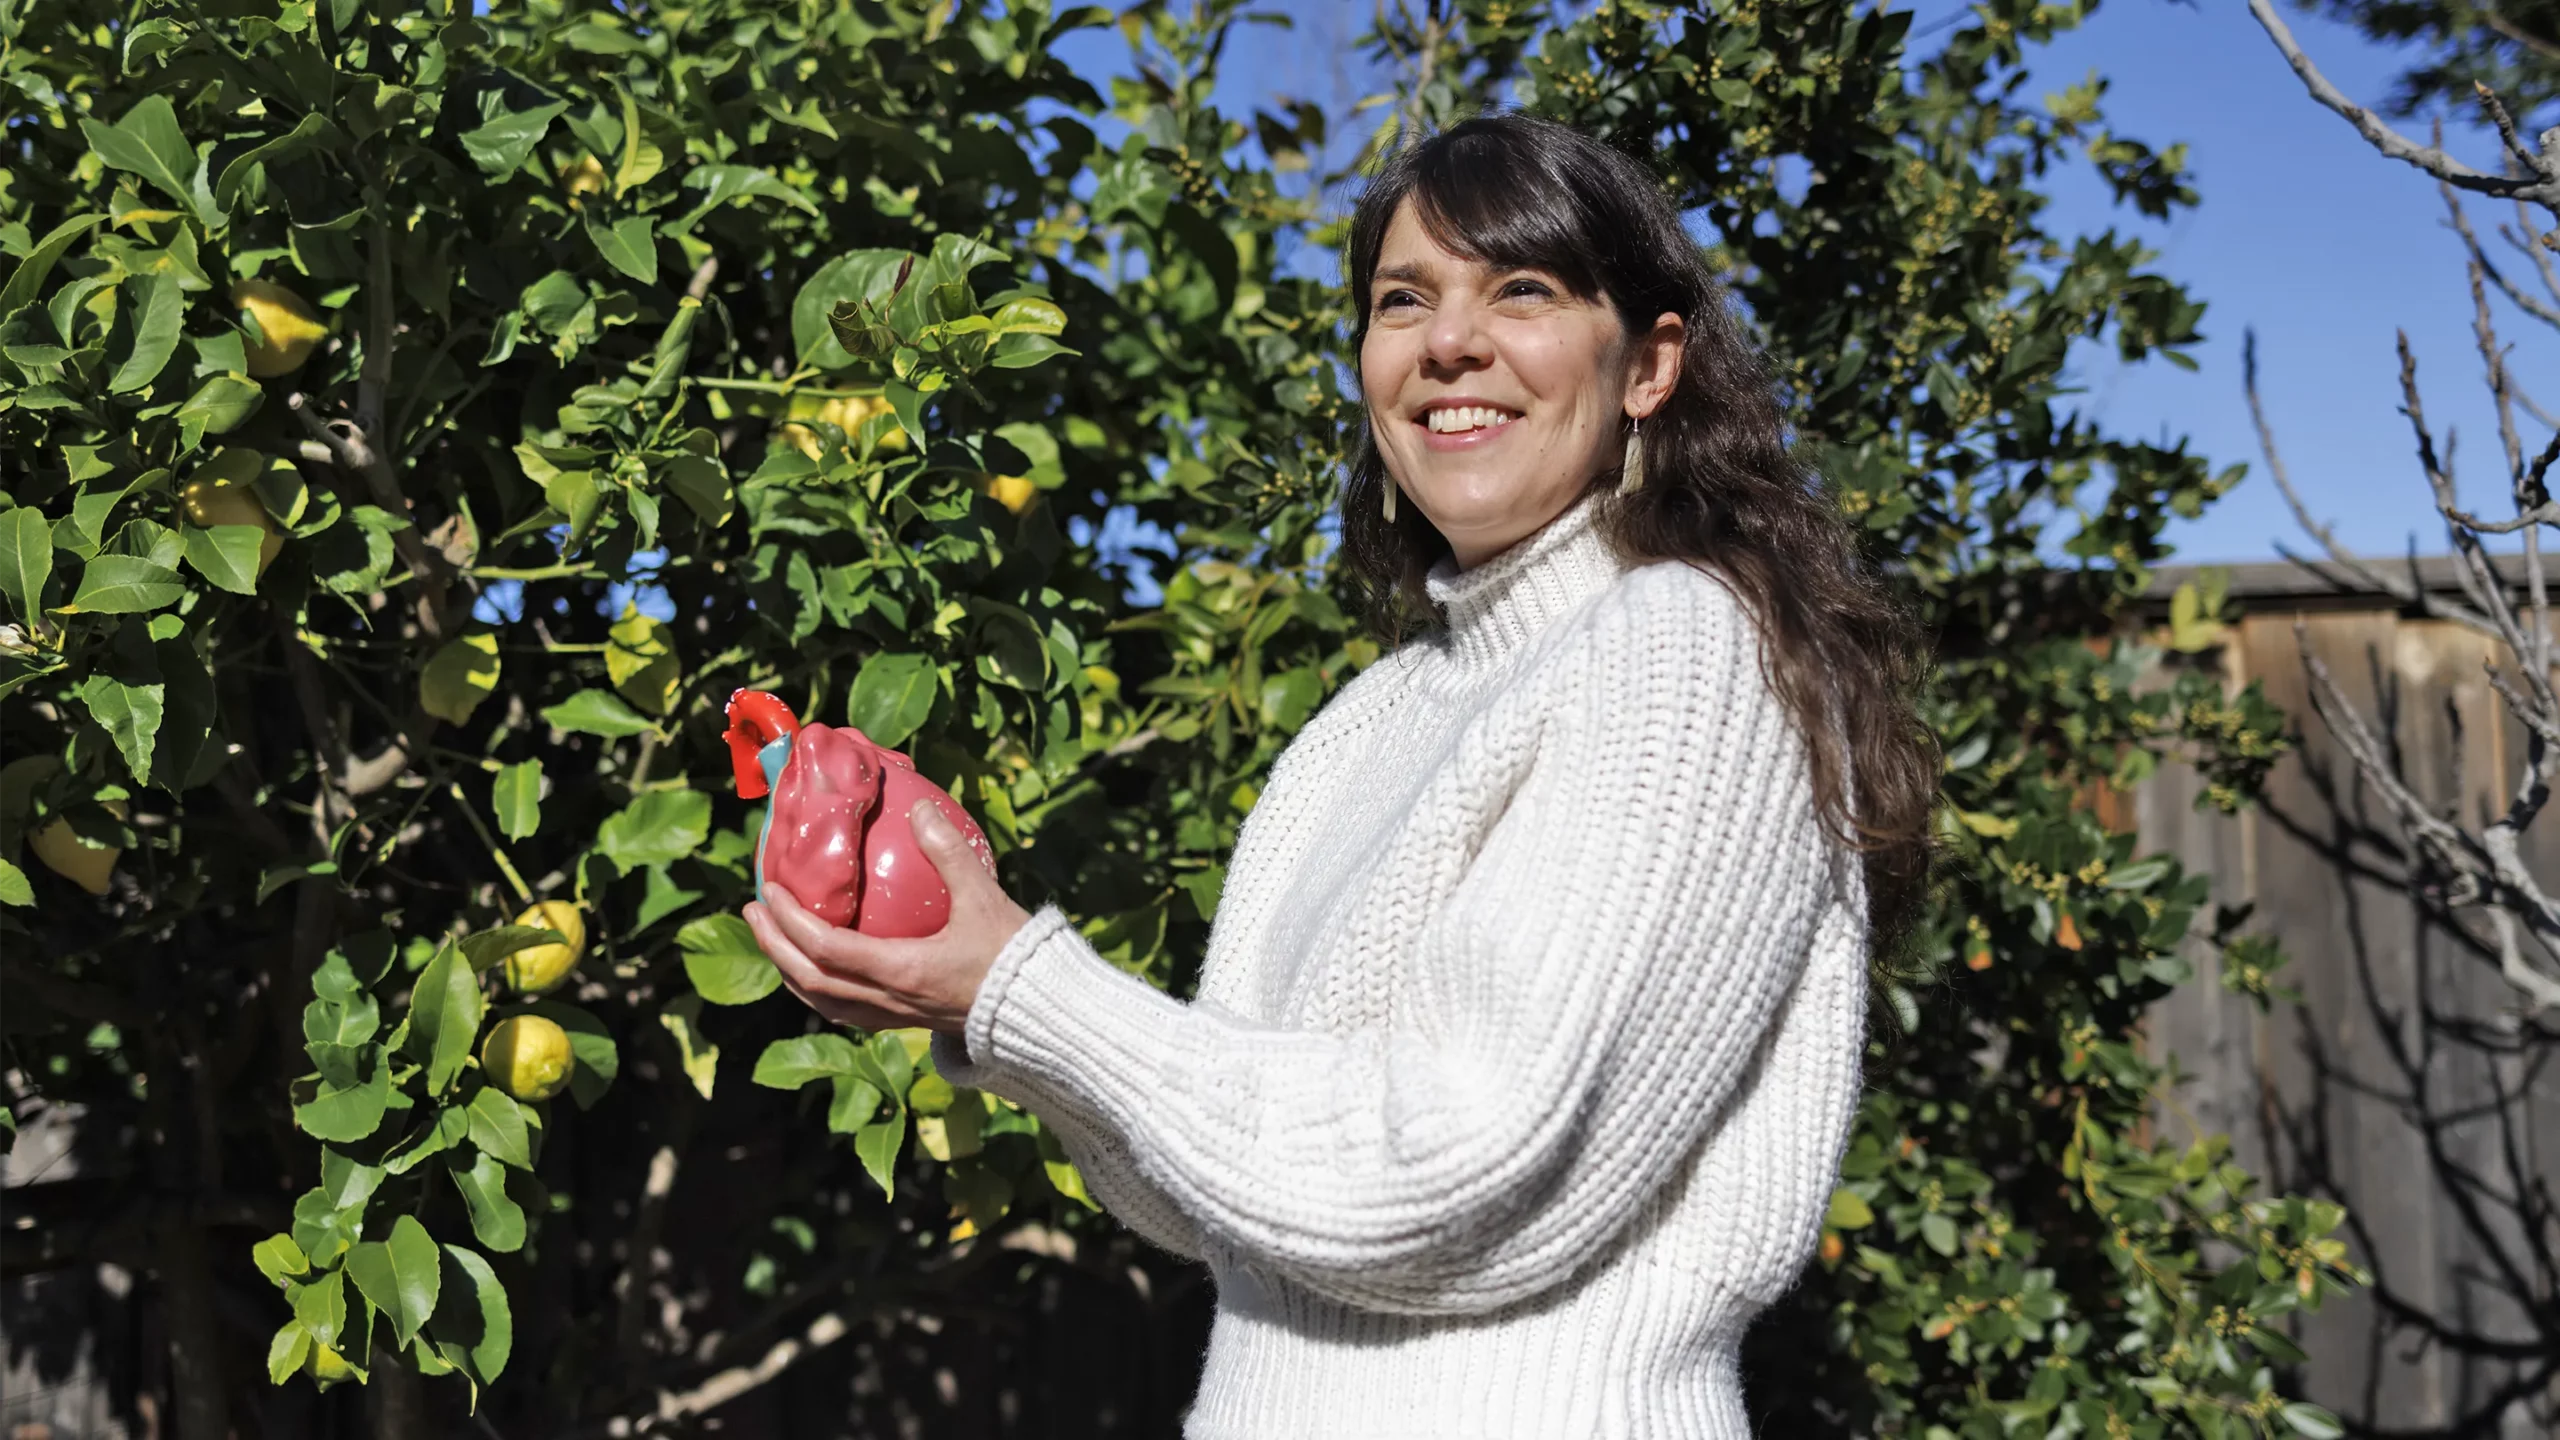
(1722, 488)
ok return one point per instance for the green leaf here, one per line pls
(348, 1113)
(444, 1016)
(861, 275)
(892, 695)
(286, 1352)
(516, 795)
(26, 559)
(14, 889)
(155, 335)
(496, 1220)
(219, 405)
(472, 1326)
(498, 1127)
(722, 184)
(227, 555)
(2311, 1422)
(124, 585)
(452, 1127)
(877, 1145)
(792, 1063)
(310, 134)
(655, 828)
(321, 1305)
(147, 141)
(399, 1276)
(323, 1230)
(1940, 1232)
(853, 1105)
(484, 948)
(628, 245)
(506, 137)
(597, 712)
(721, 958)
(279, 1259)
(463, 672)
(701, 1058)
(130, 714)
(1849, 1211)
(1028, 316)
(33, 271)
(1021, 352)
(703, 486)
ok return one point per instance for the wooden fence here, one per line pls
(2406, 1083)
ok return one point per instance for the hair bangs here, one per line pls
(1481, 197)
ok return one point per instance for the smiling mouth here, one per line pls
(1463, 419)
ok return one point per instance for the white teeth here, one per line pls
(1457, 419)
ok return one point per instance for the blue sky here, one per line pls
(2303, 233)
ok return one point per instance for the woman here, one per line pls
(1529, 1032)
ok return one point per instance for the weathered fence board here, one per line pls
(2406, 1082)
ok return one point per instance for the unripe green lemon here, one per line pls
(537, 968)
(527, 1056)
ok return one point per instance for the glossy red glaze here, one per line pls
(837, 835)
(756, 720)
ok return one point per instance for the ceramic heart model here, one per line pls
(836, 835)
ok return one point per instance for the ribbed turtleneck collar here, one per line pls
(1495, 608)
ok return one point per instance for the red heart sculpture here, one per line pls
(837, 835)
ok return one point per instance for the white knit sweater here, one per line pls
(1527, 1039)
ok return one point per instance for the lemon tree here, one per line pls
(418, 420)
(417, 423)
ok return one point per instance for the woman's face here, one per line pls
(1495, 394)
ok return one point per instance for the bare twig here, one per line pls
(2302, 516)
(2542, 186)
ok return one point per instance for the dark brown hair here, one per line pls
(1722, 490)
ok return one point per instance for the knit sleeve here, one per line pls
(1589, 996)
(1110, 1174)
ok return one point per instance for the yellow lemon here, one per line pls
(72, 857)
(219, 502)
(584, 178)
(288, 322)
(527, 1056)
(1013, 492)
(537, 968)
(846, 413)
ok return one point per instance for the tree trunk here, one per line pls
(200, 1390)
(398, 1403)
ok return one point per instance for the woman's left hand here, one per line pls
(876, 984)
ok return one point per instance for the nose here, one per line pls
(1456, 339)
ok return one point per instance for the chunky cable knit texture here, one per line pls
(1528, 1035)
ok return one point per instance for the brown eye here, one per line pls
(1527, 290)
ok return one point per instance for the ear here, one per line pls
(1653, 364)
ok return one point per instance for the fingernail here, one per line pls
(928, 821)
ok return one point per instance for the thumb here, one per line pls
(949, 850)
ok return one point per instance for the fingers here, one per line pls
(962, 866)
(839, 997)
(834, 947)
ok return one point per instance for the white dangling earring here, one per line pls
(1631, 470)
(1387, 497)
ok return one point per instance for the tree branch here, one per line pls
(2543, 188)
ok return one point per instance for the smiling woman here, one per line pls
(1529, 1030)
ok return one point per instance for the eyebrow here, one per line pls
(1405, 273)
